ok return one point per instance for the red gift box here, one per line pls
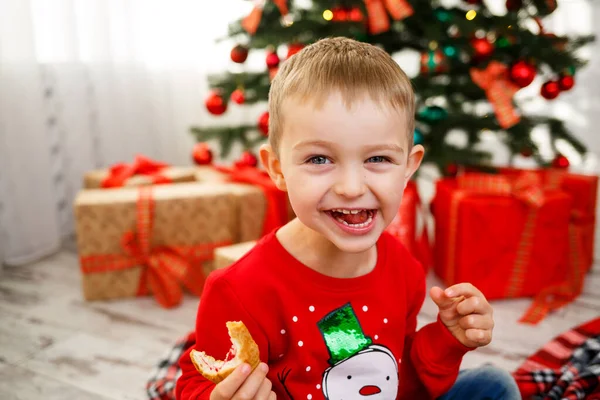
(409, 225)
(517, 234)
(583, 191)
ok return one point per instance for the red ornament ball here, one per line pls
(247, 159)
(514, 5)
(522, 73)
(237, 96)
(239, 54)
(294, 48)
(560, 162)
(339, 14)
(201, 154)
(263, 123)
(483, 48)
(355, 15)
(550, 90)
(272, 60)
(215, 104)
(476, 2)
(566, 82)
(451, 169)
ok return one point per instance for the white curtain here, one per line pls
(87, 83)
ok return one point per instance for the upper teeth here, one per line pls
(346, 211)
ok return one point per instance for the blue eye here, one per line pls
(378, 159)
(318, 160)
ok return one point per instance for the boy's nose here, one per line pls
(351, 184)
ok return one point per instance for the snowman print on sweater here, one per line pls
(359, 369)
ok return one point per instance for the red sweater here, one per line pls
(324, 337)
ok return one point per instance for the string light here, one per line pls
(471, 14)
(327, 15)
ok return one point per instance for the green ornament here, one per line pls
(343, 334)
(450, 51)
(442, 15)
(418, 136)
(433, 114)
(502, 42)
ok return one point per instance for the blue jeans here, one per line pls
(483, 383)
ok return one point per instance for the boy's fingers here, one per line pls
(474, 305)
(230, 385)
(272, 396)
(440, 299)
(462, 289)
(250, 387)
(479, 336)
(476, 321)
(264, 391)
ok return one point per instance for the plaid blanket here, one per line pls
(567, 367)
(161, 385)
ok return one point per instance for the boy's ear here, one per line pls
(414, 161)
(271, 163)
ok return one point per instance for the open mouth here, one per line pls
(353, 218)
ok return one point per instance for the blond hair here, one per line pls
(345, 65)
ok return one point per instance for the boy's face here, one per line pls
(344, 169)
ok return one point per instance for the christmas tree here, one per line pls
(472, 63)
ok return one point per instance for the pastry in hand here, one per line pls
(243, 350)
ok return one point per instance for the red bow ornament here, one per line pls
(119, 173)
(251, 22)
(499, 90)
(378, 18)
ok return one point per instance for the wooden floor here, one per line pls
(53, 345)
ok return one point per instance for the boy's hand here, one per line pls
(466, 313)
(243, 385)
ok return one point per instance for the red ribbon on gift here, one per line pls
(557, 296)
(378, 19)
(166, 268)
(276, 214)
(119, 173)
(251, 22)
(499, 90)
(526, 187)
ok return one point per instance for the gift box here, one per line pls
(260, 206)
(409, 225)
(151, 239)
(583, 191)
(143, 171)
(516, 234)
(227, 255)
(494, 236)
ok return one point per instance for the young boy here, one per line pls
(330, 298)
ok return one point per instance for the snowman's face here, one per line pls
(370, 374)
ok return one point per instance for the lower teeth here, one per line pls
(362, 225)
